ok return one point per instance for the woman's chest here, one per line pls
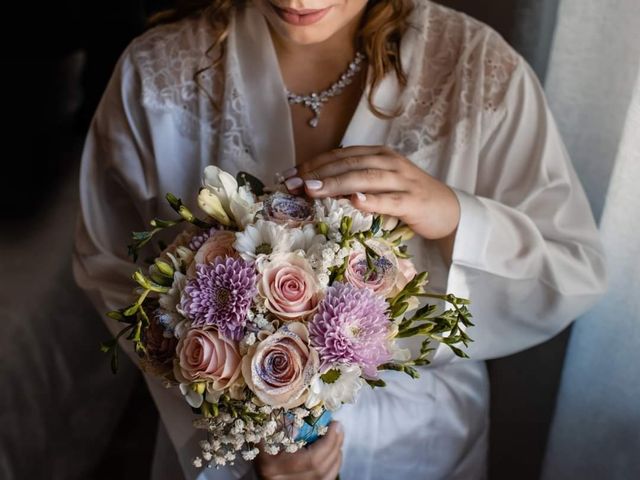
(332, 122)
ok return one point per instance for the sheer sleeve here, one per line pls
(118, 195)
(527, 250)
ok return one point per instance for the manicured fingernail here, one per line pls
(361, 196)
(290, 172)
(339, 427)
(293, 183)
(313, 184)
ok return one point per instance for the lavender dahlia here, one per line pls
(220, 295)
(351, 326)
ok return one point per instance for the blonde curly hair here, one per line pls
(379, 36)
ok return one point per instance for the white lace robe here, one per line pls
(474, 115)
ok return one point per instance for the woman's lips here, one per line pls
(301, 17)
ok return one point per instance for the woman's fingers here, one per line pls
(334, 471)
(337, 154)
(324, 461)
(390, 203)
(347, 164)
(325, 444)
(368, 180)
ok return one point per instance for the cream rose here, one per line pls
(279, 369)
(289, 287)
(206, 356)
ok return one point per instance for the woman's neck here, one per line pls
(314, 67)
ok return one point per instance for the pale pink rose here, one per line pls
(206, 356)
(289, 287)
(406, 272)
(382, 279)
(279, 369)
(219, 244)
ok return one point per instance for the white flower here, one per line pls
(249, 455)
(272, 449)
(262, 238)
(197, 462)
(306, 237)
(292, 448)
(168, 301)
(331, 211)
(323, 279)
(339, 384)
(244, 207)
(192, 397)
(223, 199)
(222, 184)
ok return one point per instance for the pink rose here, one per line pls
(289, 287)
(205, 355)
(279, 369)
(382, 278)
(219, 244)
(406, 272)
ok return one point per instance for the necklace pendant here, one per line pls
(315, 100)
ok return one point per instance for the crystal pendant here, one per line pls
(314, 122)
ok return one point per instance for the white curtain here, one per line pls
(594, 90)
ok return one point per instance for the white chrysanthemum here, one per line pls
(331, 211)
(306, 238)
(340, 384)
(168, 301)
(262, 238)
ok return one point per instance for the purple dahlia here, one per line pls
(351, 326)
(221, 295)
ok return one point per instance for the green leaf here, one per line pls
(376, 383)
(115, 315)
(399, 309)
(158, 223)
(375, 225)
(458, 352)
(130, 311)
(114, 361)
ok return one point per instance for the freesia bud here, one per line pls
(402, 233)
(164, 268)
(211, 205)
(389, 222)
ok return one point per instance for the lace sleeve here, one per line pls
(172, 61)
(463, 72)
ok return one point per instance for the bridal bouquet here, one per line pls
(274, 310)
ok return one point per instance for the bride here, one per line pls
(410, 109)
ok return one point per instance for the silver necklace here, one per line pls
(316, 100)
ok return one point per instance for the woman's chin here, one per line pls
(303, 35)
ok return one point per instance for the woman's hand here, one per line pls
(319, 461)
(379, 180)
